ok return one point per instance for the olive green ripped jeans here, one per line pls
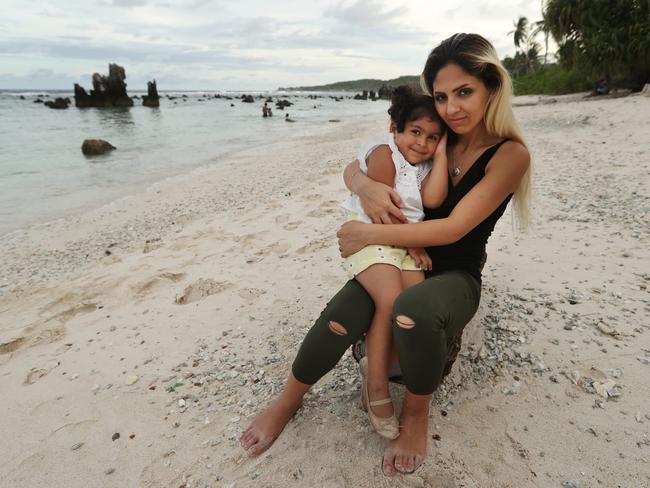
(440, 307)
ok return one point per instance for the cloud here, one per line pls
(128, 3)
(366, 13)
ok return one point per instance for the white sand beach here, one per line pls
(137, 340)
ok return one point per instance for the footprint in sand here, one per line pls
(161, 279)
(278, 247)
(11, 346)
(200, 289)
(316, 245)
(292, 225)
(281, 219)
(251, 295)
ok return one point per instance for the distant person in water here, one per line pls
(265, 110)
(269, 111)
(287, 118)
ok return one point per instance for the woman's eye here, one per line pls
(465, 92)
(439, 98)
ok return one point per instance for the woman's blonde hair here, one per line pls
(477, 56)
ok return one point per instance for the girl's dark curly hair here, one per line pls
(406, 106)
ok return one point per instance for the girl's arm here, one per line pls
(434, 187)
(502, 177)
(379, 201)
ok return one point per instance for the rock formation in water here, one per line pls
(151, 99)
(58, 103)
(93, 147)
(108, 91)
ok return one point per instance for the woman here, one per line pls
(488, 165)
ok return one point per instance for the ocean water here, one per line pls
(44, 175)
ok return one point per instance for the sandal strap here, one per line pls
(377, 403)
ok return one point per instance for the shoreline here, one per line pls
(174, 347)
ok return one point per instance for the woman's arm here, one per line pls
(379, 201)
(502, 177)
(434, 187)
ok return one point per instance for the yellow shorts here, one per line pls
(369, 255)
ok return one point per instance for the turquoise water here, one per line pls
(44, 175)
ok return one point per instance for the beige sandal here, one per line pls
(387, 427)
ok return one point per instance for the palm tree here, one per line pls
(520, 31)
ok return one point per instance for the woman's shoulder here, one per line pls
(511, 153)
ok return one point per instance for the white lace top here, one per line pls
(408, 180)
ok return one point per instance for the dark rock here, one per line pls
(151, 99)
(362, 96)
(38, 100)
(281, 104)
(58, 103)
(93, 147)
(247, 99)
(22, 97)
(385, 92)
(269, 100)
(108, 91)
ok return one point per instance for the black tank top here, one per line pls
(465, 254)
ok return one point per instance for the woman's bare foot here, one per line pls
(267, 427)
(406, 453)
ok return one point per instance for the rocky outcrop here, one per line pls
(58, 103)
(281, 104)
(151, 99)
(94, 147)
(362, 96)
(247, 99)
(646, 90)
(108, 91)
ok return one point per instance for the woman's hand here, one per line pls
(421, 258)
(380, 202)
(352, 237)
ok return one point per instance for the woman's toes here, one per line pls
(387, 464)
(409, 464)
(247, 440)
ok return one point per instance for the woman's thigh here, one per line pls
(427, 318)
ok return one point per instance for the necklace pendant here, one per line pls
(455, 171)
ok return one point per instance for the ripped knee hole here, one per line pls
(405, 322)
(337, 328)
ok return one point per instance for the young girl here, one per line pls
(401, 159)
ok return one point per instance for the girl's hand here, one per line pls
(380, 202)
(421, 258)
(352, 237)
(441, 150)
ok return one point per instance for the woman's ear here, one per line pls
(392, 127)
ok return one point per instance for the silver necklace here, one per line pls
(455, 168)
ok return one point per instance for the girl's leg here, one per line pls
(345, 318)
(383, 283)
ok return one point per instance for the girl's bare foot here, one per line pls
(406, 453)
(267, 427)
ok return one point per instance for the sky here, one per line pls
(237, 45)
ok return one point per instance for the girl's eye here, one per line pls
(415, 132)
(434, 137)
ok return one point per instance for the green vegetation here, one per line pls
(357, 85)
(597, 40)
(552, 79)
